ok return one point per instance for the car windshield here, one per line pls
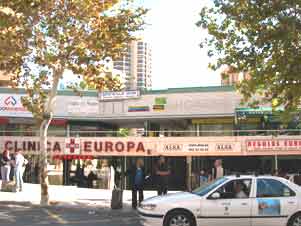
(204, 189)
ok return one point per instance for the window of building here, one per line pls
(216, 129)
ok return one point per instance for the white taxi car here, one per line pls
(228, 201)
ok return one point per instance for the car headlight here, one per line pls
(148, 206)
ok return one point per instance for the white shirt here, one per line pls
(241, 195)
(19, 160)
(219, 172)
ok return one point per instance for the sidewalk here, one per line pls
(68, 195)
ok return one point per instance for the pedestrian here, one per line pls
(137, 180)
(218, 170)
(5, 163)
(162, 173)
(19, 164)
(203, 177)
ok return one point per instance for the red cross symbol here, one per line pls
(72, 145)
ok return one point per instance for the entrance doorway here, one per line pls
(178, 173)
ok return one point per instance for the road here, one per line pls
(24, 214)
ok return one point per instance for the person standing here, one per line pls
(203, 178)
(218, 170)
(162, 173)
(5, 167)
(137, 179)
(19, 164)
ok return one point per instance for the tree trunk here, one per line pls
(43, 163)
(43, 138)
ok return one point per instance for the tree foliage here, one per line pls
(40, 39)
(261, 38)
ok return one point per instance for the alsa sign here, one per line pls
(83, 146)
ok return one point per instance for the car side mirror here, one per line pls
(215, 195)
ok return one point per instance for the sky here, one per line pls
(178, 61)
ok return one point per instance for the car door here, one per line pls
(227, 209)
(274, 202)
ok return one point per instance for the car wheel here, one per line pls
(295, 220)
(179, 218)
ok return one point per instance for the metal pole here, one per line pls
(189, 173)
(66, 172)
(276, 163)
(124, 173)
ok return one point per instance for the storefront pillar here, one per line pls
(68, 130)
(123, 170)
(197, 129)
(146, 128)
(276, 163)
(189, 173)
(66, 172)
(66, 163)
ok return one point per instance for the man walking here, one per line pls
(19, 164)
(162, 173)
(137, 179)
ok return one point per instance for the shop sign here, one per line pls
(158, 107)
(196, 147)
(138, 108)
(72, 146)
(172, 147)
(224, 147)
(130, 94)
(11, 105)
(114, 146)
(80, 146)
(83, 107)
(273, 144)
(160, 101)
(32, 145)
(257, 111)
(107, 147)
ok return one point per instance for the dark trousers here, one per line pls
(136, 189)
(162, 189)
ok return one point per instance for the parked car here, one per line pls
(228, 201)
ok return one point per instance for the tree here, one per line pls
(40, 39)
(261, 38)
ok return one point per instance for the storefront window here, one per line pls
(216, 129)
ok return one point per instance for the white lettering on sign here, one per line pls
(198, 147)
(119, 95)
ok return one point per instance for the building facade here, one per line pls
(230, 77)
(136, 63)
(190, 126)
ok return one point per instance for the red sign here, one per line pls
(73, 146)
(273, 144)
(81, 146)
(31, 146)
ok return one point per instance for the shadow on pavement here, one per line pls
(25, 214)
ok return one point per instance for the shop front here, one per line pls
(101, 162)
